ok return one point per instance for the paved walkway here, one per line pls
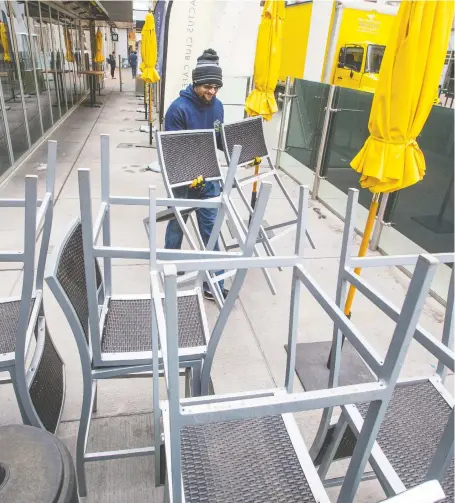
(251, 353)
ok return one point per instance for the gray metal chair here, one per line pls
(184, 155)
(415, 442)
(250, 134)
(27, 352)
(114, 333)
(247, 446)
(428, 492)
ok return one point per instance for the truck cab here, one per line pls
(358, 66)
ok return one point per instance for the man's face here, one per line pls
(206, 91)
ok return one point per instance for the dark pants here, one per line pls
(112, 70)
(205, 218)
(134, 70)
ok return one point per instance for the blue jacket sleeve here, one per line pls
(174, 119)
(219, 141)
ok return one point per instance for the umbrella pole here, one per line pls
(145, 100)
(150, 115)
(362, 252)
(254, 193)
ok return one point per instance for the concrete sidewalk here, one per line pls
(251, 354)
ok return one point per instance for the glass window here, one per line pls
(374, 58)
(351, 58)
(5, 161)
(39, 61)
(27, 75)
(11, 85)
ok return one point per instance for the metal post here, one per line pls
(43, 50)
(120, 70)
(62, 75)
(379, 225)
(54, 70)
(322, 145)
(283, 124)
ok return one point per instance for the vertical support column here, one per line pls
(284, 121)
(43, 50)
(62, 62)
(18, 69)
(323, 143)
(318, 38)
(54, 55)
(120, 71)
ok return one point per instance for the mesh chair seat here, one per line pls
(128, 325)
(411, 431)
(188, 155)
(9, 320)
(251, 460)
(250, 134)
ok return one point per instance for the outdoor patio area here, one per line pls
(251, 354)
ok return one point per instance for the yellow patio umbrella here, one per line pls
(99, 57)
(149, 55)
(261, 100)
(69, 46)
(149, 52)
(413, 60)
(5, 44)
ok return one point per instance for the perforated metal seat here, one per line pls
(9, 319)
(189, 154)
(411, 431)
(251, 460)
(248, 133)
(128, 325)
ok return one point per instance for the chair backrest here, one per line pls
(232, 408)
(443, 352)
(65, 275)
(248, 133)
(185, 155)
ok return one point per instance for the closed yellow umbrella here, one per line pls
(5, 44)
(149, 52)
(69, 46)
(261, 100)
(99, 57)
(410, 72)
(149, 55)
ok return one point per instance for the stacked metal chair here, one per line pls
(247, 446)
(185, 155)
(250, 134)
(27, 352)
(416, 439)
(114, 333)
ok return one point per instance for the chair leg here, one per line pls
(166, 492)
(82, 434)
(188, 382)
(196, 380)
(12, 373)
(95, 400)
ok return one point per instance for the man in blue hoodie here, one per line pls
(197, 107)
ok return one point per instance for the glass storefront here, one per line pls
(42, 50)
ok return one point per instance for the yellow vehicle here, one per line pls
(361, 41)
(358, 66)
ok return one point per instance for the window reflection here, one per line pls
(11, 85)
(40, 50)
(27, 75)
